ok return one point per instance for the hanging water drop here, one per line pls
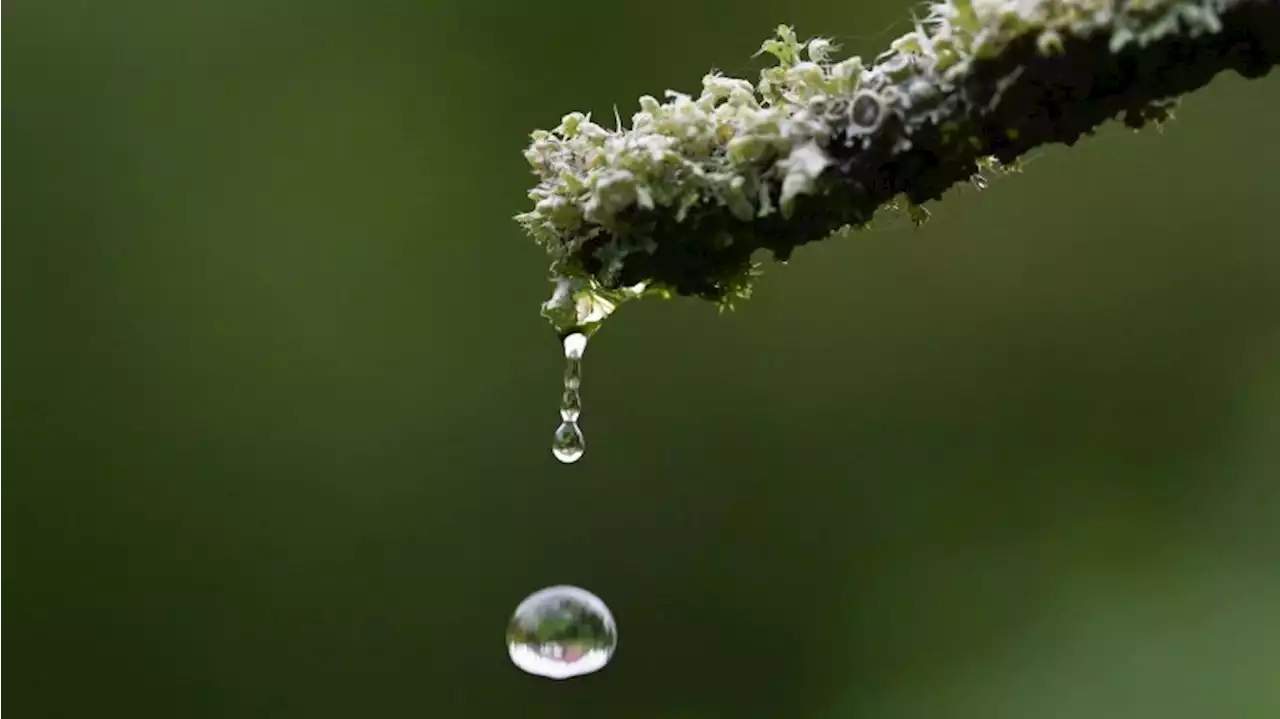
(570, 404)
(561, 632)
(574, 345)
(568, 445)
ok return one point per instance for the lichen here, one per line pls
(694, 178)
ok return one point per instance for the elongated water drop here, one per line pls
(570, 404)
(561, 632)
(568, 445)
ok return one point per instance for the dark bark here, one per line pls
(1026, 96)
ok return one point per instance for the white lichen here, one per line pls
(728, 145)
(754, 148)
(719, 146)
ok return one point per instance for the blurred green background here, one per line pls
(280, 400)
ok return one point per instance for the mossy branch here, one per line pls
(681, 200)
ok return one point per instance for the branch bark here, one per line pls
(1049, 79)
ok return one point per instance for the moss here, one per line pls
(679, 201)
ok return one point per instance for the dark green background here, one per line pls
(280, 399)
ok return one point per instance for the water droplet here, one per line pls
(568, 445)
(573, 374)
(570, 405)
(574, 345)
(561, 632)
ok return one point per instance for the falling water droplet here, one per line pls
(568, 445)
(561, 632)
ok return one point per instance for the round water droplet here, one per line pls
(561, 632)
(568, 444)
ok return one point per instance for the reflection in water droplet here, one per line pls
(569, 445)
(561, 632)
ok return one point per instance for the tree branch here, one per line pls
(680, 201)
